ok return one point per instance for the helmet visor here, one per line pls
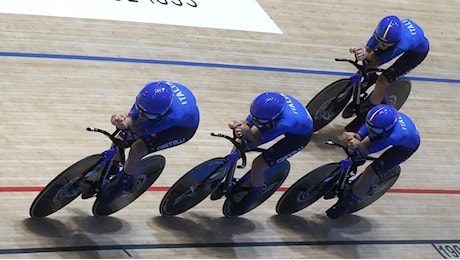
(145, 114)
(374, 130)
(383, 41)
(262, 123)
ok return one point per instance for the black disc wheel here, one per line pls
(398, 92)
(193, 187)
(306, 190)
(65, 187)
(329, 102)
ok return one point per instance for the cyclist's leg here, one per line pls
(387, 161)
(280, 151)
(168, 138)
(402, 66)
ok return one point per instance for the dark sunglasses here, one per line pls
(384, 42)
(262, 123)
(145, 114)
(374, 129)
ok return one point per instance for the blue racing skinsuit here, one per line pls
(176, 127)
(403, 141)
(295, 123)
(413, 46)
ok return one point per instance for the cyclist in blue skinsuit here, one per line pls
(385, 127)
(164, 115)
(392, 38)
(272, 114)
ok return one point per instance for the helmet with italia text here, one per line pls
(267, 108)
(154, 100)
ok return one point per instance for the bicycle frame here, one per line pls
(355, 81)
(347, 170)
(231, 159)
(108, 158)
(342, 171)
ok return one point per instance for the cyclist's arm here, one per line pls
(244, 129)
(354, 142)
(366, 53)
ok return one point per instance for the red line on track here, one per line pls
(163, 188)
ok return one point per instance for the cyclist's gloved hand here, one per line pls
(240, 128)
(121, 121)
(360, 52)
(352, 139)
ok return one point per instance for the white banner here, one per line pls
(245, 15)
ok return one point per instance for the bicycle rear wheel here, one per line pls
(193, 187)
(274, 177)
(384, 183)
(151, 169)
(306, 190)
(398, 92)
(64, 188)
(324, 108)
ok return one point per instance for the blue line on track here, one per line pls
(199, 64)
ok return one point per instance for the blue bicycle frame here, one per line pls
(107, 156)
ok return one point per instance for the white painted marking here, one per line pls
(245, 15)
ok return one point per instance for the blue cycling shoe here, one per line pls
(124, 185)
(342, 206)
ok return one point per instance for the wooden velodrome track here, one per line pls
(61, 75)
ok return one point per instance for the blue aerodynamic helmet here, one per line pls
(381, 118)
(388, 30)
(267, 108)
(154, 100)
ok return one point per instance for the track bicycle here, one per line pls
(332, 180)
(95, 174)
(333, 99)
(216, 177)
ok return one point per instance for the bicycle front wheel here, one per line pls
(398, 92)
(324, 107)
(381, 185)
(306, 190)
(151, 168)
(193, 187)
(64, 188)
